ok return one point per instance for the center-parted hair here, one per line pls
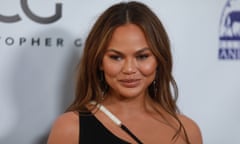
(89, 83)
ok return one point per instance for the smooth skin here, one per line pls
(129, 67)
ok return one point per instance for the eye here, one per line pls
(116, 57)
(142, 56)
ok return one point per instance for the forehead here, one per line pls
(128, 36)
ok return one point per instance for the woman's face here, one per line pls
(128, 64)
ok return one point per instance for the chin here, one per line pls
(128, 94)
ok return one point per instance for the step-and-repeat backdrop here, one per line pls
(41, 42)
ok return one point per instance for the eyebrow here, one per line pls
(137, 52)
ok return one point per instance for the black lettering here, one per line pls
(48, 42)
(10, 19)
(9, 41)
(36, 41)
(22, 40)
(78, 42)
(32, 16)
(59, 42)
(42, 20)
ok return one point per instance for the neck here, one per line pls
(127, 106)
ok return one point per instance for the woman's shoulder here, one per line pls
(192, 129)
(65, 129)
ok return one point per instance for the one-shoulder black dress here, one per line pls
(92, 131)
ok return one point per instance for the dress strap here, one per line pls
(116, 121)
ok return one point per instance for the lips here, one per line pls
(129, 83)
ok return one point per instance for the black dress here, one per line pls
(92, 131)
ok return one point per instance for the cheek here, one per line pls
(148, 68)
(110, 69)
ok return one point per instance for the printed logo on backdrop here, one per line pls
(36, 40)
(32, 16)
(229, 35)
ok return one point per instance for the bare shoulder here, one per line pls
(65, 129)
(192, 129)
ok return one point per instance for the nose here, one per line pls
(129, 66)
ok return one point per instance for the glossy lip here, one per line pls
(129, 83)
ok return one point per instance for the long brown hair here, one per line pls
(89, 85)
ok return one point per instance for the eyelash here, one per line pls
(142, 56)
(139, 57)
(115, 57)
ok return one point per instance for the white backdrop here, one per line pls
(37, 63)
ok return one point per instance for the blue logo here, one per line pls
(229, 31)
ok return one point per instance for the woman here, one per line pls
(124, 86)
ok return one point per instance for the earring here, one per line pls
(155, 88)
(155, 84)
(104, 85)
